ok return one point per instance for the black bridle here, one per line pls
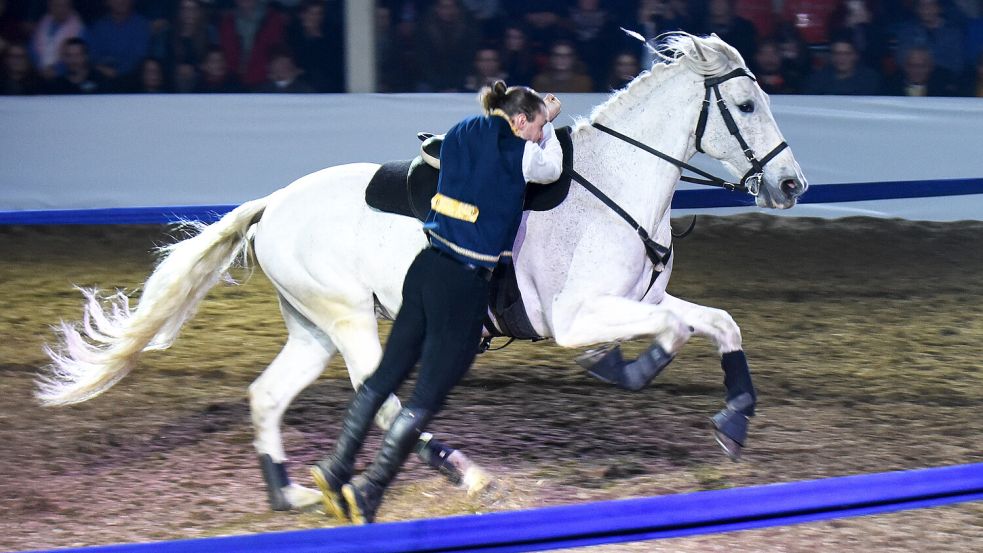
(750, 182)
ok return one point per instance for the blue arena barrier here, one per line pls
(683, 199)
(614, 521)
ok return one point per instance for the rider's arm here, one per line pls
(543, 162)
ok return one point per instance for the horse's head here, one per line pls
(736, 125)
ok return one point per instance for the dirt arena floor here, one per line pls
(865, 338)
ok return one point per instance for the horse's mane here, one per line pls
(708, 56)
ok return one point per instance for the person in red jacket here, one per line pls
(247, 35)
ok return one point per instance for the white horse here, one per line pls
(336, 263)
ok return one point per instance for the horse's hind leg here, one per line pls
(357, 337)
(730, 424)
(303, 358)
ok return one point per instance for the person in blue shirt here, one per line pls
(486, 161)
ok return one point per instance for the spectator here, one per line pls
(974, 38)
(651, 19)
(771, 71)
(150, 77)
(120, 40)
(722, 19)
(860, 21)
(59, 23)
(810, 18)
(563, 74)
(977, 87)
(544, 27)
(285, 76)
(215, 76)
(920, 77)
(388, 69)
(18, 77)
(487, 69)
(844, 75)
(624, 69)
(446, 44)
(516, 57)
(160, 14)
(796, 57)
(931, 28)
(12, 28)
(317, 43)
(80, 77)
(185, 77)
(593, 31)
(488, 14)
(191, 35)
(400, 21)
(247, 34)
(761, 14)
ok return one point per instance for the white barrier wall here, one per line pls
(132, 151)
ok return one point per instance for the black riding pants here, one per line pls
(439, 324)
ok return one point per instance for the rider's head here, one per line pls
(524, 108)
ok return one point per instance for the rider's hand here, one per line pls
(553, 106)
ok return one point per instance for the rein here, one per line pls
(750, 182)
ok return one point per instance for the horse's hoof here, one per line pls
(477, 481)
(730, 431)
(301, 498)
(730, 447)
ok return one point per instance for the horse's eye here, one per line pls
(746, 107)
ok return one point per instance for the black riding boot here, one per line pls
(333, 472)
(364, 494)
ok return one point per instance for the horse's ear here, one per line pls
(699, 49)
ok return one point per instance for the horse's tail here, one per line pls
(99, 352)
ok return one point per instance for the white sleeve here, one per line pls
(542, 163)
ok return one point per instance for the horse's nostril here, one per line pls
(791, 187)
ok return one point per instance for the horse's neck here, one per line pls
(660, 112)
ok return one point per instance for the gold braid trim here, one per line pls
(500, 113)
(445, 205)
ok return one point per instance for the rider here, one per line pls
(486, 161)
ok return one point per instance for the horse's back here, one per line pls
(318, 237)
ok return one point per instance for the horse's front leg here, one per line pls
(611, 318)
(730, 424)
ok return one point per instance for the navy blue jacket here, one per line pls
(480, 167)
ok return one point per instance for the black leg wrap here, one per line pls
(608, 365)
(275, 476)
(364, 493)
(435, 453)
(737, 380)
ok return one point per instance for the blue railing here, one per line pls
(683, 199)
(613, 521)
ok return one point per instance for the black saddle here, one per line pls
(405, 187)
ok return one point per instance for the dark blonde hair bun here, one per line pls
(513, 100)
